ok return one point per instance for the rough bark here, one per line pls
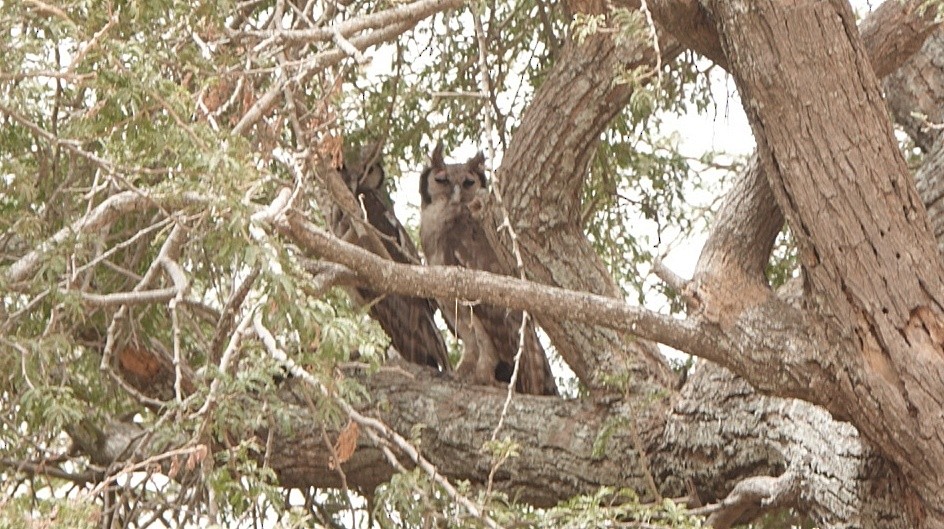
(865, 243)
(914, 92)
(861, 500)
(567, 447)
(859, 491)
(731, 270)
(930, 184)
(546, 163)
(722, 431)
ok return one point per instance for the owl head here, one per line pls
(453, 183)
(363, 170)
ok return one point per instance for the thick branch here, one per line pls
(690, 23)
(930, 185)
(891, 33)
(896, 31)
(842, 499)
(738, 249)
(569, 447)
(459, 283)
(792, 333)
(730, 275)
(589, 449)
(915, 96)
(545, 167)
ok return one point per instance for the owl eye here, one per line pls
(468, 183)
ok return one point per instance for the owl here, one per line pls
(407, 320)
(452, 197)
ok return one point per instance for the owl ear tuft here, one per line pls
(371, 153)
(363, 171)
(436, 158)
(476, 164)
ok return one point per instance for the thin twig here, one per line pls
(105, 213)
(486, 88)
(229, 356)
(140, 297)
(409, 13)
(474, 95)
(169, 251)
(654, 34)
(48, 468)
(134, 467)
(312, 65)
(181, 285)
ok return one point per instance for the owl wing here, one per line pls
(502, 324)
(407, 320)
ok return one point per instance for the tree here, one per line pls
(175, 350)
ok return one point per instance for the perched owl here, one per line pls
(452, 197)
(407, 320)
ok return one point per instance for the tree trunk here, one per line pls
(876, 277)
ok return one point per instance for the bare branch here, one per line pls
(452, 282)
(104, 214)
(228, 358)
(891, 33)
(670, 278)
(316, 64)
(228, 314)
(44, 468)
(140, 465)
(143, 297)
(411, 13)
(169, 251)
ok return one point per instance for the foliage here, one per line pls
(21, 513)
(936, 5)
(784, 261)
(608, 507)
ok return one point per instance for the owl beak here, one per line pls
(456, 195)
